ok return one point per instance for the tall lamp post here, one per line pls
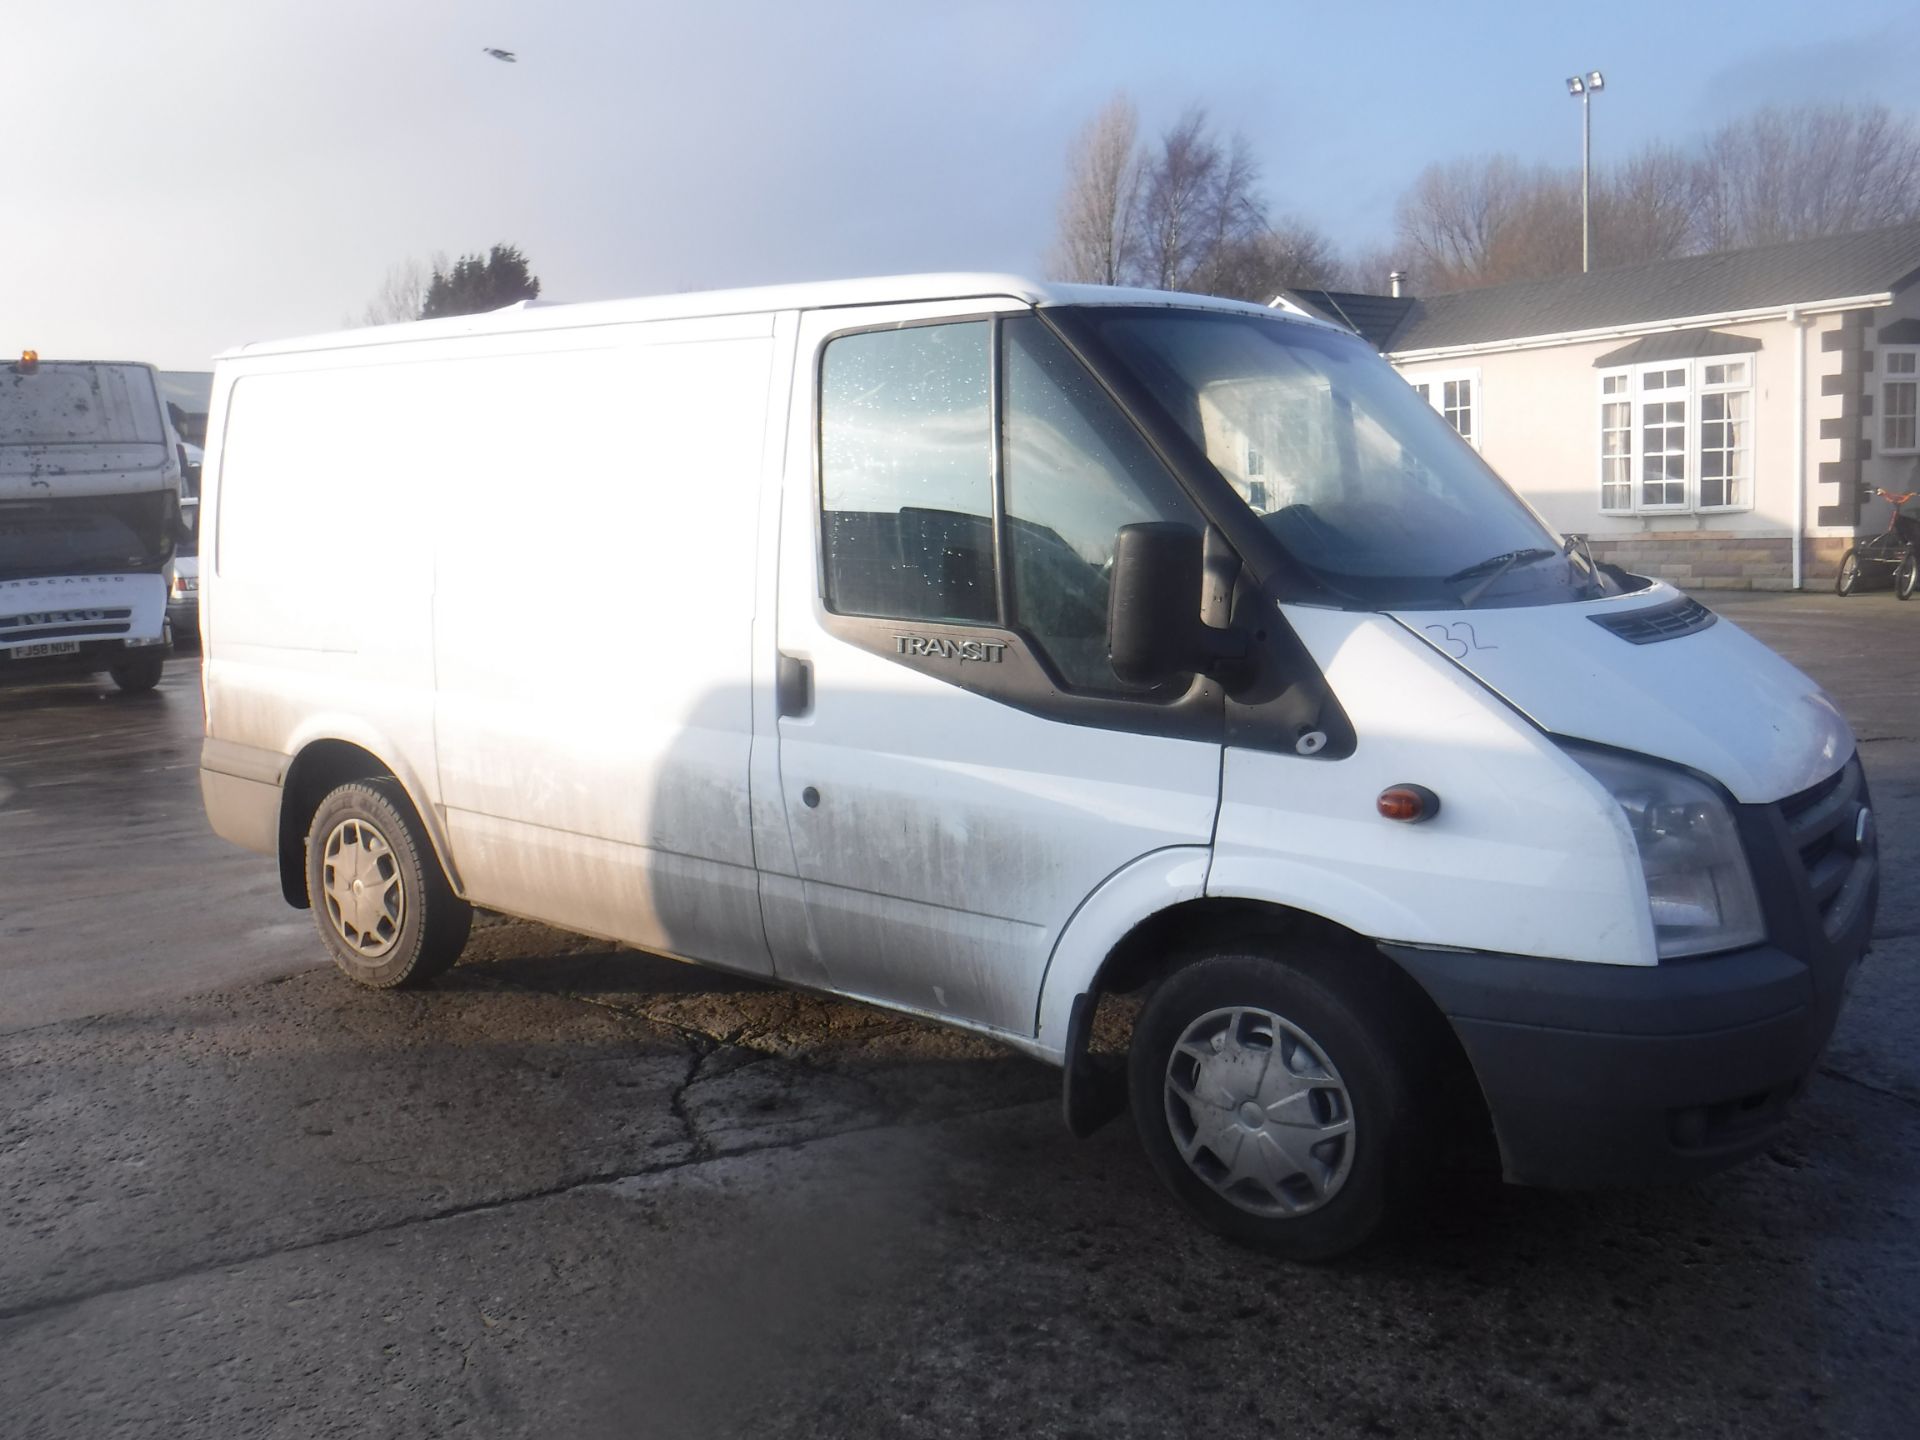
(1585, 87)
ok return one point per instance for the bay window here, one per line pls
(1677, 436)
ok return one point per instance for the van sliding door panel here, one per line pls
(593, 636)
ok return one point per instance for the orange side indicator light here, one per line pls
(1411, 803)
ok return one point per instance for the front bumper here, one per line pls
(1619, 1074)
(94, 657)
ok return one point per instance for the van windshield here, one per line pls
(1364, 484)
(65, 404)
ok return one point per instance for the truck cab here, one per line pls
(90, 478)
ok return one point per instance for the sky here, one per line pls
(181, 176)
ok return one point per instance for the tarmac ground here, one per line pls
(581, 1190)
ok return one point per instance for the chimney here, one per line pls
(1395, 281)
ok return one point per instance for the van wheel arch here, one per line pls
(1094, 1084)
(316, 772)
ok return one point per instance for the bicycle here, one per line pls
(1893, 554)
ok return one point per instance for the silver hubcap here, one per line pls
(361, 881)
(1259, 1113)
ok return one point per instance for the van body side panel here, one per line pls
(1528, 855)
(318, 620)
(596, 526)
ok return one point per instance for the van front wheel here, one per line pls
(136, 677)
(379, 897)
(1272, 1104)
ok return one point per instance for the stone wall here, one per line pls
(1705, 560)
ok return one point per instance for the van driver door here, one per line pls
(959, 766)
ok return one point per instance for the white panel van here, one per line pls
(985, 649)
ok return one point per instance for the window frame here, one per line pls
(1191, 710)
(1910, 379)
(1432, 388)
(996, 490)
(1693, 389)
(1625, 399)
(1700, 387)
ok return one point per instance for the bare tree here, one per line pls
(1493, 221)
(1199, 197)
(403, 294)
(1099, 237)
(1647, 209)
(1184, 214)
(1187, 213)
(1284, 256)
(1789, 174)
(1370, 268)
(1540, 233)
(1450, 218)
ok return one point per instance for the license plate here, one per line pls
(52, 647)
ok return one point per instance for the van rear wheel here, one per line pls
(1275, 1104)
(380, 899)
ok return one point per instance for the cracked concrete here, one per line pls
(372, 1110)
(586, 1191)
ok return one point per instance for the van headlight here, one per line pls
(1698, 883)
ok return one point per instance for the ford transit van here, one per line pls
(989, 650)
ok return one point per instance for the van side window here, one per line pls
(906, 474)
(1075, 471)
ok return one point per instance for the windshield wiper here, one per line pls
(1493, 567)
(1577, 547)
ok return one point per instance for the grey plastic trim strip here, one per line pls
(244, 762)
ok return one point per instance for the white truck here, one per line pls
(89, 518)
(982, 649)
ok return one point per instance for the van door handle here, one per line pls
(793, 685)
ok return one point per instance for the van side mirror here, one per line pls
(1154, 631)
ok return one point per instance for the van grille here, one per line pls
(1658, 622)
(1836, 860)
(64, 625)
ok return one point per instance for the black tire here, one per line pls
(138, 676)
(402, 925)
(1846, 579)
(1355, 1030)
(1906, 573)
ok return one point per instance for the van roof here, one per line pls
(817, 295)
